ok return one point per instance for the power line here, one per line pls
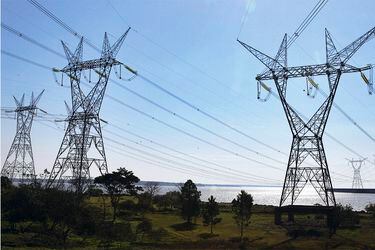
(186, 167)
(25, 60)
(348, 117)
(244, 17)
(61, 23)
(173, 167)
(313, 13)
(196, 124)
(237, 171)
(180, 158)
(190, 134)
(158, 86)
(196, 68)
(68, 28)
(190, 167)
(27, 38)
(310, 17)
(169, 125)
(174, 150)
(149, 116)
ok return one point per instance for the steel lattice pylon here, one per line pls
(83, 133)
(19, 164)
(307, 135)
(357, 165)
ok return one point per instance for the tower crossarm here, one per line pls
(91, 64)
(309, 70)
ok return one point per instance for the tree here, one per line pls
(93, 191)
(6, 183)
(190, 201)
(22, 204)
(153, 188)
(144, 202)
(168, 200)
(346, 217)
(118, 183)
(210, 213)
(241, 207)
(370, 208)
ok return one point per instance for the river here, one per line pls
(271, 195)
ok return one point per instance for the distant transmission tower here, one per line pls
(356, 165)
(307, 135)
(82, 146)
(19, 164)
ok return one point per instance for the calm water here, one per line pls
(271, 195)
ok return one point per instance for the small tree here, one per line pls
(370, 208)
(210, 213)
(153, 188)
(241, 207)
(118, 183)
(190, 201)
(168, 200)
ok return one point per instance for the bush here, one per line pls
(346, 217)
(128, 205)
(6, 183)
(145, 202)
(94, 192)
(168, 201)
(370, 208)
(21, 204)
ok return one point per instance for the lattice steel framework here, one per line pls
(357, 165)
(83, 135)
(19, 164)
(307, 135)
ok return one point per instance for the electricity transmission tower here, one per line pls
(307, 135)
(19, 164)
(82, 145)
(356, 165)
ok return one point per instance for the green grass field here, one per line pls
(262, 233)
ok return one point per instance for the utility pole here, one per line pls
(82, 146)
(19, 164)
(356, 165)
(307, 135)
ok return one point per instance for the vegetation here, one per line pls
(210, 213)
(241, 207)
(190, 201)
(370, 208)
(118, 183)
(33, 217)
(346, 217)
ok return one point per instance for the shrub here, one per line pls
(346, 217)
(370, 208)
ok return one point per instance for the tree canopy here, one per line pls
(241, 207)
(118, 183)
(210, 213)
(190, 201)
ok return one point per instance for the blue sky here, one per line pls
(190, 48)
